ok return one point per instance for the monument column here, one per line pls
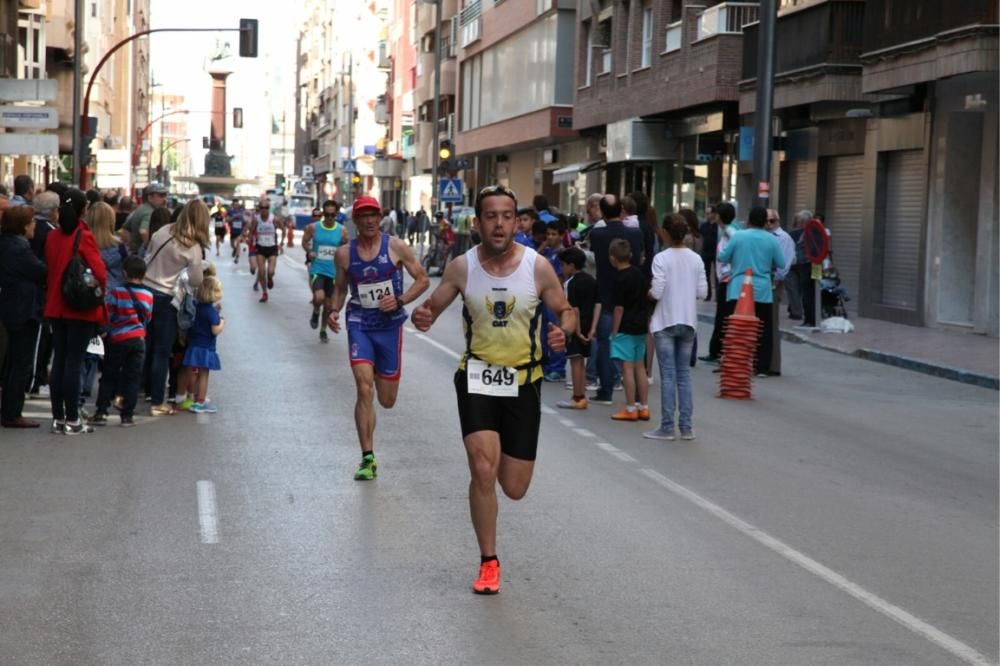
(218, 129)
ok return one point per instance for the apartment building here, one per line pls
(342, 75)
(888, 119)
(396, 109)
(514, 118)
(657, 86)
(420, 151)
(42, 48)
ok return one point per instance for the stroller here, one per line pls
(833, 295)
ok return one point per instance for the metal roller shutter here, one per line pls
(798, 189)
(905, 186)
(845, 190)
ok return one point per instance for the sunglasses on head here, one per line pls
(497, 189)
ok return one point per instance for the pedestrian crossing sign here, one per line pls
(451, 190)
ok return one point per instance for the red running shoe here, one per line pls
(489, 578)
(263, 298)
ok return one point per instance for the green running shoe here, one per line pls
(185, 404)
(368, 469)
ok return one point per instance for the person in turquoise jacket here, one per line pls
(756, 249)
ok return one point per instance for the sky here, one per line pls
(257, 85)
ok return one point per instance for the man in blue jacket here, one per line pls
(757, 249)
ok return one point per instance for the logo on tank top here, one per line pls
(501, 311)
(383, 259)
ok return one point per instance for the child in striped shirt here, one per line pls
(130, 307)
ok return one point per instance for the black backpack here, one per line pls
(80, 287)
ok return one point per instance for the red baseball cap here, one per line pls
(366, 203)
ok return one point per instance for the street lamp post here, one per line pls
(164, 150)
(142, 133)
(83, 118)
(763, 133)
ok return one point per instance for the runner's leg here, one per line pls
(272, 266)
(483, 451)
(364, 407)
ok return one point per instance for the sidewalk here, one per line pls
(962, 357)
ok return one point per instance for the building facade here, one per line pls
(42, 46)
(888, 125)
(341, 79)
(514, 113)
(657, 86)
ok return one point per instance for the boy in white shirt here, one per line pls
(678, 282)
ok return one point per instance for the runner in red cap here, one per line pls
(371, 266)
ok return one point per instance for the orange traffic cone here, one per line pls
(744, 305)
(291, 234)
(739, 345)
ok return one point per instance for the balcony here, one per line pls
(446, 127)
(381, 111)
(424, 146)
(675, 34)
(727, 18)
(408, 144)
(470, 23)
(818, 37)
(449, 77)
(890, 23)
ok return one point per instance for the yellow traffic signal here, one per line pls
(445, 150)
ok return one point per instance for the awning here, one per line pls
(568, 173)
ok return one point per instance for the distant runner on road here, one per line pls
(320, 241)
(372, 267)
(504, 285)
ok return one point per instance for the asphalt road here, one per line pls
(847, 515)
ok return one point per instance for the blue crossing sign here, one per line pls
(451, 190)
(350, 166)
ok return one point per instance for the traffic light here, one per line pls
(85, 154)
(248, 38)
(445, 151)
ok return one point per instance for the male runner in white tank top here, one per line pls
(498, 384)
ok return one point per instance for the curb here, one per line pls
(886, 358)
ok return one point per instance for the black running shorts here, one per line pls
(266, 251)
(322, 282)
(516, 420)
(577, 347)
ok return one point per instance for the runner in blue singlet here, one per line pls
(372, 266)
(320, 241)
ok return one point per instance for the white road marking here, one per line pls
(616, 452)
(583, 432)
(297, 265)
(567, 422)
(548, 410)
(916, 625)
(433, 343)
(208, 518)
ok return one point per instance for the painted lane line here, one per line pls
(567, 422)
(583, 432)
(433, 343)
(548, 410)
(956, 647)
(616, 452)
(291, 263)
(208, 517)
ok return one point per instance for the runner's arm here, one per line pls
(342, 259)
(307, 238)
(412, 265)
(446, 291)
(551, 292)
